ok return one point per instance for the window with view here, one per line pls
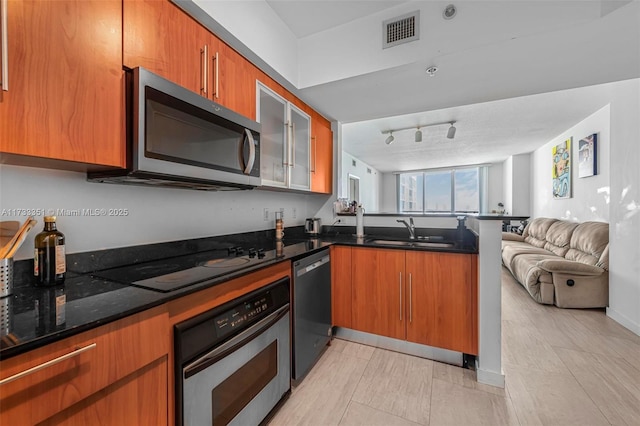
(440, 191)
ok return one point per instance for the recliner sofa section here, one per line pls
(561, 262)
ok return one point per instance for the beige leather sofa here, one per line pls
(561, 262)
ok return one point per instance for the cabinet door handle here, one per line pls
(400, 296)
(216, 95)
(315, 154)
(204, 55)
(47, 364)
(410, 301)
(4, 47)
(293, 145)
(285, 146)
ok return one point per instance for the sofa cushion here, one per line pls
(513, 249)
(536, 232)
(559, 236)
(588, 242)
(530, 275)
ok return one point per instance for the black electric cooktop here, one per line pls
(173, 273)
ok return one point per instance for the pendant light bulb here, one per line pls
(451, 133)
(418, 137)
(390, 139)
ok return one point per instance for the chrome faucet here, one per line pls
(411, 228)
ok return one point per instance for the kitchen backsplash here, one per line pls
(96, 216)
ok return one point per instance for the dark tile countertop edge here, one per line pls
(92, 302)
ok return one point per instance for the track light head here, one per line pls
(451, 133)
(390, 139)
(418, 137)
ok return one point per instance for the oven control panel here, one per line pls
(197, 335)
(230, 320)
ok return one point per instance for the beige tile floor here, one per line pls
(562, 367)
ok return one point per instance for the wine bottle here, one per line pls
(49, 260)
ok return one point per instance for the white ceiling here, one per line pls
(508, 97)
(306, 17)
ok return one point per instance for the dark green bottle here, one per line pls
(49, 260)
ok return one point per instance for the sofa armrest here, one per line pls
(510, 236)
(564, 266)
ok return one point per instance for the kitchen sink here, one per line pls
(412, 243)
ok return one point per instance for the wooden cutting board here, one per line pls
(9, 249)
(8, 228)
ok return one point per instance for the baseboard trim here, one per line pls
(623, 321)
(397, 345)
(490, 378)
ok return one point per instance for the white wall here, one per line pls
(256, 25)
(507, 185)
(521, 196)
(496, 178)
(370, 183)
(155, 214)
(517, 185)
(590, 198)
(612, 196)
(624, 207)
(389, 200)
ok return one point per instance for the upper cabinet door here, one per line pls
(162, 38)
(284, 141)
(300, 137)
(321, 156)
(234, 80)
(65, 95)
(274, 153)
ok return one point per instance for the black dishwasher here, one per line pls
(311, 311)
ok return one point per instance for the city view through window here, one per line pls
(441, 191)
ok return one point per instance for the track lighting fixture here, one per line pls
(390, 139)
(451, 133)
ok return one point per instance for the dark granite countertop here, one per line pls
(31, 320)
(479, 216)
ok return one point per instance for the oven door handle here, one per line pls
(240, 340)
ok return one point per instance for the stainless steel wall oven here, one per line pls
(233, 362)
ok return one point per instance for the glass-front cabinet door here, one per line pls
(274, 155)
(285, 141)
(300, 144)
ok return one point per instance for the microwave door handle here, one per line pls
(252, 152)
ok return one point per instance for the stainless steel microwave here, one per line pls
(178, 138)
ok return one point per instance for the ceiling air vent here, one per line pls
(401, 29)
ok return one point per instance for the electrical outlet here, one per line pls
(294, 213)
(266, 214)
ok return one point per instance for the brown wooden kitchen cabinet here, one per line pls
(321, 155)
(420, 296)
(234, 80)
(114, 374)
(378, 291)
(65, 96)
(442, 300)
(341, 286)
(160, 37)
